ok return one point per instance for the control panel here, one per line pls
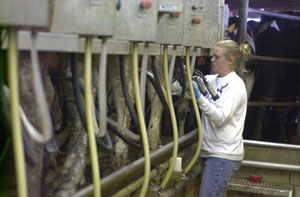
(194, 11)
(84, 17)
(24, 13)
(170, 22)
(136, 20)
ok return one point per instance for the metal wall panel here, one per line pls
(134, 23)
(192, 33)
(84, 17)
(24, 13)
(170, 29)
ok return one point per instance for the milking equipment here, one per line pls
(146, 26)
(94, 18)
(192, 37)
(170, 32)
(136, 22)
(204, 85)
(33, 14)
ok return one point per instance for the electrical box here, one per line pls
(193, 22)
(136, 20)
(84, 17)
(24, 13)
(170, 22)
(212, 23)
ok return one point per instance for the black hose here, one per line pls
(150, 77)
(114, 128)
(78, 90)
(198, 73)
(157, 84)
(126, 95)
(107, 145)
(127, 140)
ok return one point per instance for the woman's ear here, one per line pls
(230, 61)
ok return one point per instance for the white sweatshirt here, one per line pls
(223, 119)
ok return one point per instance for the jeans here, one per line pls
(215, 173)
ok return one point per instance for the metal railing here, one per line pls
(271, 145)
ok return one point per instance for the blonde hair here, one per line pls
(239, 53)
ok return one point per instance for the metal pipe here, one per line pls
(273, 14)
(243, 15)
(275, 104)
(129, 189)
(271, 145)
(271, 166)
(192, 174)
(137, 165)
(274, 59)
(136, 184)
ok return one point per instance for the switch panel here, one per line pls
(136, 20)
(170, 22)
(24, 13)
(84, 17)
(194, 22)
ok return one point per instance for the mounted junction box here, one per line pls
(170, 22)
(136, 20)
(85, 17)
(212, 23)
(193, 22)
(24, 13)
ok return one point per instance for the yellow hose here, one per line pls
(142, 122)
(173, 119)
(15, 118)
(196, 156)
(89, 115)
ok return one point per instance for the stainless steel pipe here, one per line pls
(274, 104)
(271, 145)
(274, 59)
(159, 155)
(271, 166)
(273, 14)
(192, 174)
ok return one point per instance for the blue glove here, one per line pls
(196, 90)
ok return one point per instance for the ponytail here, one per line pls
(245, 52)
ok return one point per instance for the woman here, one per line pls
(223, 120)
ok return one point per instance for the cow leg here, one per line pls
(120, 154)
(156, 113)
(181, 114)
(28, 102)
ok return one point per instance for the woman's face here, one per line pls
(220, 64)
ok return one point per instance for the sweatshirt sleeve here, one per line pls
(220, 111)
